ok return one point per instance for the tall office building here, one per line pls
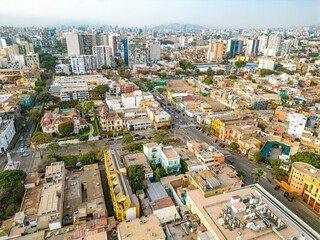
(3, 43)
(102, 39)
(234, 47)
(215, 51)
(137, 51)
(102, 54)
(77, 64)
(80, 44)
(114, 43)
(252, 47)
(154, 51)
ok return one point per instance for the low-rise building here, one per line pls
(111, 121)
(51, 120)
(166, 156)
(125, 204)
(148, 227)
(204, 152)
(139, 158)
(252, 212)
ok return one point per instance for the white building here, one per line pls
(102, 54)
(63, 68)
(285, 46)
(252, 47)
(32, 58)
(114, 42)
(266, 64)
(7, 133)
(73, 44)
(154, 49)
(183, 41)
(132, 100)
(78, 64)
(297, 124)
(270, 45)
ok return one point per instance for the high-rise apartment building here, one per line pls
(80, 44)
(269, 45)
(102, 55)
(215, 51)
(183, 41)
(114, 43)
(234, 47)
(78, 64)
(284, 48)
(32, 58)
(154, 51)
(137, 51)
(252, 47)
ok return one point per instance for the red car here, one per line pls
(277, 187)
(42, 176)
(290, 198)
(222, 146)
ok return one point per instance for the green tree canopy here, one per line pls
(33, 114)
(161, 90)
(257, 175)
(53, 147)
(88, 158)
(258, 157)
(220, 72)
(10, 178)
(136, 176)
(234, 145)
(47, 61)
(66, 128)
(100, 90)
(38, 89)
(145, 72)
(40, 83)
(44, 97)
(209, 71)
(208, 81)
(88, 106)
(307, 157)
(127, 138)
(285, 97)
(240, 64)
(265, 72)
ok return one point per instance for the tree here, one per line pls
(88, 106)
(184, 166)
(297, 102)
(157, 174)
(258, 157)
(275, 163)
(53, 147)
(257, 175)
(261, 126)
(210, 72)
(145, 73)
(40, 83)
(127, 138)
(234, 145)
(280, 174)
(104, 67)
(47, 61)
(83, 138)
(285, 97)
(33, 114)
(307, 157)
(39, 139)
(10, 178)
(233, 77)
(44, 97)
(220, 72)
(242, 176)
(240, 64)
(136, 176)
(66, 128)
(100, 90)
(88, 158)
(38, 89)
(163, 75)
(161, 90)
(208, 81)
(265, 72)
(313, 54)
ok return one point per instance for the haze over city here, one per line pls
(140, 13)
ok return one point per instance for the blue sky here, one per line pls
(130, 13)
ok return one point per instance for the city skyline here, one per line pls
(141, 13)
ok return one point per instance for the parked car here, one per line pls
(230, 161)
(42, 176)
(21, 138)
(41, 171)
(286, 194)
(222, 145)
(136, 135)
(22, 145)
(24, 155)
(269, 167)
(277, 187)
(22, 150)
(290, 198)
(142, 137)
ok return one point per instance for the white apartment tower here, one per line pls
(252, 47)
(102, 54)
(78, 64)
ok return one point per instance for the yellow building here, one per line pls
(125, 204)
(206, 108)
(311, 193)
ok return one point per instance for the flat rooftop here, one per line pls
(83, 191)
(178, 233)
(307, 168)
(31, 200)
(145, 228)
(170, 152)
(137, 158)
(262, 204)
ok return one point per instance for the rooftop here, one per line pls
(306, 168)
(145, 228)
(262, 218)
(170, 152)
(156, 191)
(137, 158)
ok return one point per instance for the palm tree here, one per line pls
(257, 175)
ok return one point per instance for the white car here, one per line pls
(269, 167)
(22, 150)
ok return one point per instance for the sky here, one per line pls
(140, 13)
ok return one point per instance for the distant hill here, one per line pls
(178, 26)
